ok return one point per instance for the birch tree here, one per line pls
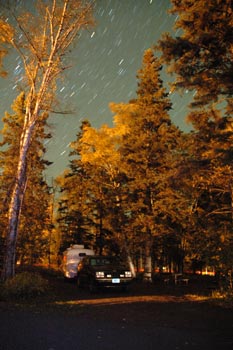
(34, 212)
(42, 41)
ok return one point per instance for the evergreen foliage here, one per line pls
(148, 156)
(201, 54)
(173, 191)
(6, 35)
(73, 209)
(143, 188)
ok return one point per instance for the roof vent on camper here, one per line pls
(78, 246)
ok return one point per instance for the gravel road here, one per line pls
(142, 319)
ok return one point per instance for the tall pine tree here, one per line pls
(147, 156)
(73, 214)
(202, 53)
(202, 57)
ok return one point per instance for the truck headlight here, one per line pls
(99, 274)
(128, 274)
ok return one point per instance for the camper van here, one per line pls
(71, 257)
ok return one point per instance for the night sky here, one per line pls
(104, 62)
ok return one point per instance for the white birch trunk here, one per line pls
(131, 266)
(15, 206)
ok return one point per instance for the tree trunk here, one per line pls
(147, 277)
(16, 204)
(129, 259)
(131, 265)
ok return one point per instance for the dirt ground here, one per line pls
(149, 316)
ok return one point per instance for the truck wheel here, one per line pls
(124, 289)
(79, 283)
(92, 286)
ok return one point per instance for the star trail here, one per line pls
(104, 64)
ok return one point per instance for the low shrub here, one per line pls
(25, 285)
(223, 298)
